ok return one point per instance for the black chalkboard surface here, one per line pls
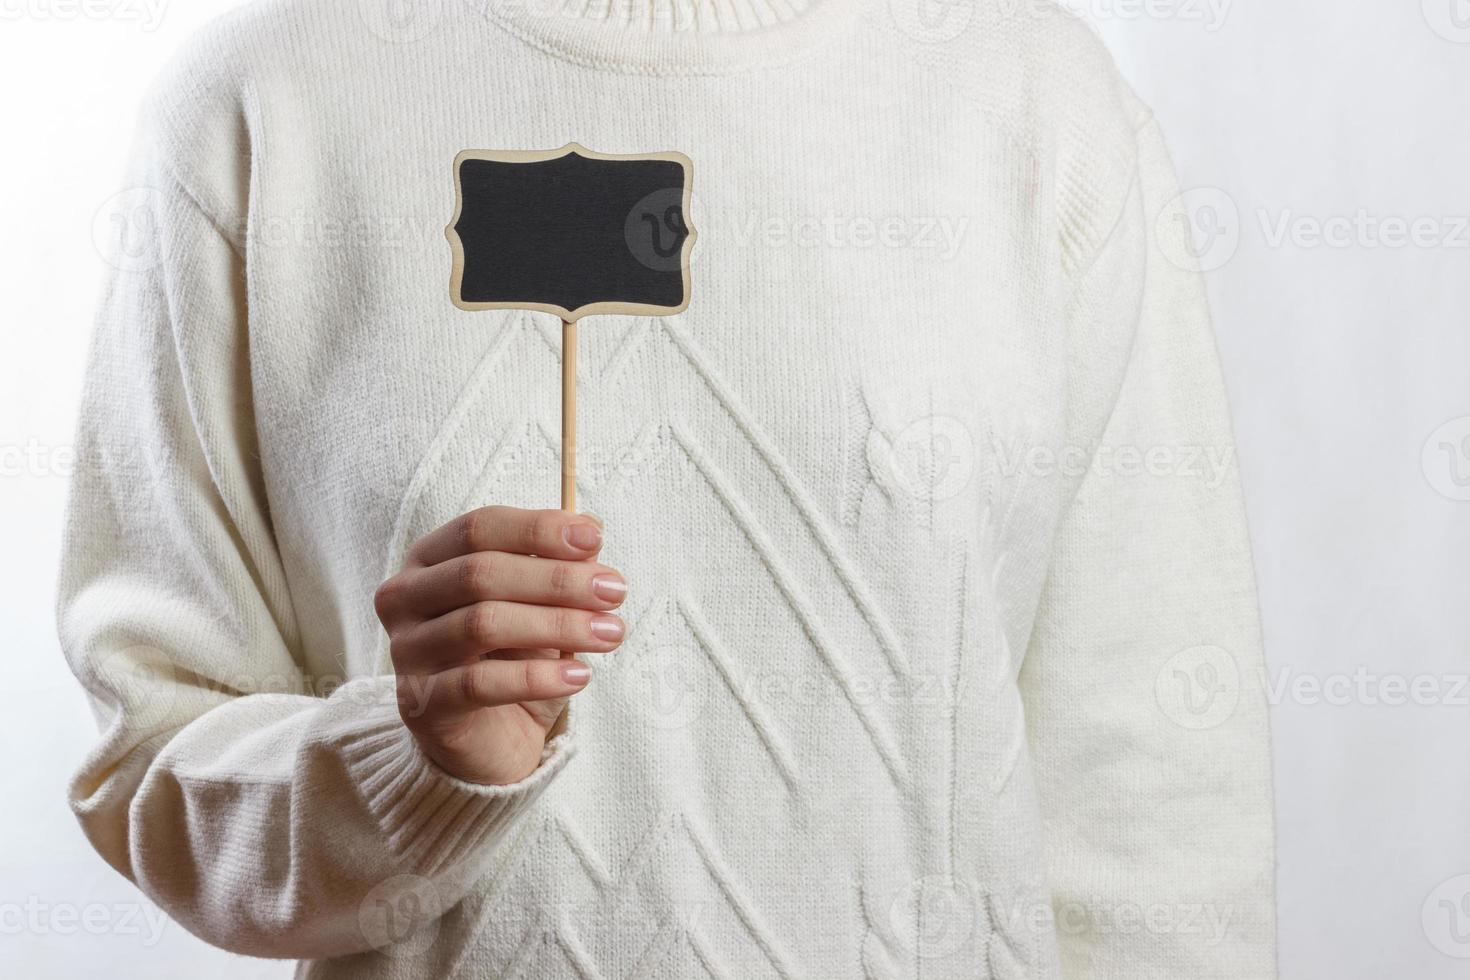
(571, 232)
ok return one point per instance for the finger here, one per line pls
(512, 654)
(548, 533)
(414, 690)
(491, 683)
(428, 592)
(468, 632)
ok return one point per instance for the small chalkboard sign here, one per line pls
(571, 232)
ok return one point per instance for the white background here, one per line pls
(1310, 132)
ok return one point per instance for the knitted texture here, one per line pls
(942, 620)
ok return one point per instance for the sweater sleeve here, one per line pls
(266, 814)
(1147, 721)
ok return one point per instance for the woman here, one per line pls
(933, 652)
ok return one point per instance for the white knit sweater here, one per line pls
(942, 631)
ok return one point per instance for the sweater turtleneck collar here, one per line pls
(674, 37)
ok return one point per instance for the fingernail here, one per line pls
(609, 628)
(583, 536)
(575, 673)
(609, 588)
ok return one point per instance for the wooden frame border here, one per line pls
(536, 156)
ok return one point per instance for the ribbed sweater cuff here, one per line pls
(431, 819)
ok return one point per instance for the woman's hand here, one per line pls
(478, 616)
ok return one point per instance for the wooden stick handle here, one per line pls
(568, 455)
(569, 415)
